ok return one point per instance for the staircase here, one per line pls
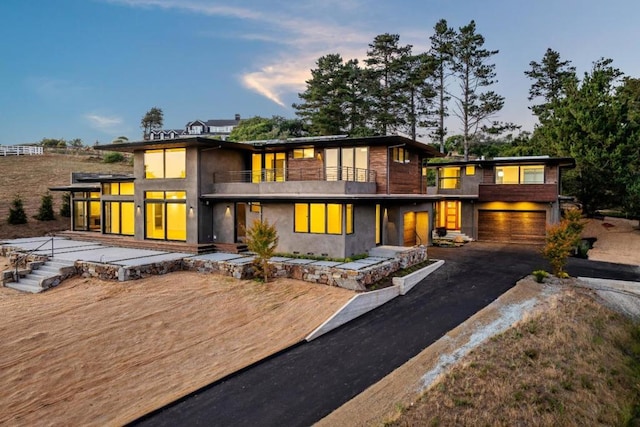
(42, 275)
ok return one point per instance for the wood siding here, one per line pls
(512, 226)
(518, 192)
(378, 163)
(305, 169)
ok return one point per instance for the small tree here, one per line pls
(45, 213)
(561, 239)
(262, 238)
(16, 212)
(65, 208)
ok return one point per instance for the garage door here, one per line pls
(512, 226)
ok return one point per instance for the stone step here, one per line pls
(26, 284)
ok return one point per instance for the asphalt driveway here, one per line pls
(303, 384)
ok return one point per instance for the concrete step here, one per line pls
(26, 285)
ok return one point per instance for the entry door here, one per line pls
(422, 228)
(452, 215)
(241, 222)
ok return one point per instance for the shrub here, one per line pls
(16, 212)
(113, 157)
(262, 238)
(65, 208)
(45, 213)
(561, 239)
(540, 275)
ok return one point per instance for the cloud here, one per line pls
(298, 33)
(103, 123)
(55, 88)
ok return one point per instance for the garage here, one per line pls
(512, 226)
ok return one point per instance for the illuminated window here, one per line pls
(400, 155)
(268, 167)
(321, 218)
(449, 178)
(126, 189)
(520, 174)
(166, 215)
(119, 218)
(86, 211)
(303, 153)
(378, 222)
(169, 163)
(254, 207)
(470, 170)
(118, 189)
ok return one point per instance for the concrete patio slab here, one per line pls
(327, 263)
(134, 262)
(217, 256)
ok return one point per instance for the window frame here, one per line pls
(307, 226)
(163, 152)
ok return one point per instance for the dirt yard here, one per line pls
(104, 353)
(618, 240)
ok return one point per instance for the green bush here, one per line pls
(113, 157)
(540, 275)
(45, 213)
(16, 212)
(65, 209)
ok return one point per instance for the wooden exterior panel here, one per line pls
(378, 163)
(518, 193)
(405, 177)
(488, 176)
(512, 226)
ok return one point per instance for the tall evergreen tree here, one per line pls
(473, 107)
(355, 102)
(387, 64)
(152, 120)
(322, 108)
(550, 77)
(16, 212)
(440, 54)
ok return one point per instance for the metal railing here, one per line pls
(286, 174)
(24, 256)
(20, 150)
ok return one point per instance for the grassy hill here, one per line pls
(31, 176)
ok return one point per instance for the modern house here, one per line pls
(331, 196)
(509, 199)
(328, 196)
(220, 128)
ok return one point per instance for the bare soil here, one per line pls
(31, 176)
(91, 352)
(618, 240)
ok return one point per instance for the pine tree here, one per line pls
(152, 120)
(16, 212)
(65, 208)
(45, 213)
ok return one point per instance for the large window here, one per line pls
(449, 178)
(169, 163)
(347, 164)
(166, 215)
(533, 174)
(323, 218)
(268, 167)
(86, 211)
(119, 218)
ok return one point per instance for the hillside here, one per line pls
(31, 176)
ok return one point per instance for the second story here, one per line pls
(507, 179)
(313, 165)
(220, 128)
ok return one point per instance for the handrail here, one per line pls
(26, 255)
(337, 173)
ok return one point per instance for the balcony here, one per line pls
(336, 180)
(518, 193)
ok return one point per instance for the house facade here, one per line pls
(509, 199)
(328, 196)
(220, 128)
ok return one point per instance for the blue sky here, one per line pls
(90, 69)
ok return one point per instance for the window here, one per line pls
(166, 215)
(470, 170)
(378, 227)
(322, 218)
(400, 155)
(347, 164)
(449, 178)
(169, 163)
(118, 189)
(86, 211)
(268, 167)
(254, 207)
(303, 153)
(520, 174)
(119, 218)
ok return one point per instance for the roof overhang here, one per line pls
(563, 162)
(299, 198)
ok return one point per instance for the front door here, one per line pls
(241, 222)
(452, 215)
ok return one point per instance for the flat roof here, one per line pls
(569, 162)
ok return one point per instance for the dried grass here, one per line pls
(575, 363)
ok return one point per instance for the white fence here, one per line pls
(19, 150)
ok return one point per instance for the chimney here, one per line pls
(237, 117)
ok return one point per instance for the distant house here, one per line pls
(220, 128)
(509, 199)
(329, 196)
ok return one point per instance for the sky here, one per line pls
(91, 69)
